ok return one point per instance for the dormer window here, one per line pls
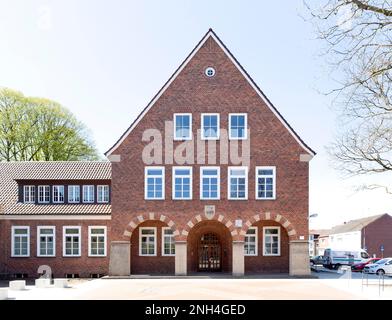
(74, 194)
(58, 194)
(182, 126)
(88, 194)
(43, 194)
(29, 194)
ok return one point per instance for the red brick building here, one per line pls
(209, 177)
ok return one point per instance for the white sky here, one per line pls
(105, 60)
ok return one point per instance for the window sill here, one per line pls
(209, 138)
(182, 139)
(230, 138)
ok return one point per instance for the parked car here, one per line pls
(316, 260)
(383, 266)
(334, 258)
(359, 266)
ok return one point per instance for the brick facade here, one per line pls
(378, 233)
(272, 143)
(84, 266)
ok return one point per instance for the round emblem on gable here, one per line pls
(210, 72)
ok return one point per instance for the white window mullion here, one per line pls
(265, 183)
(29, 194)
(271, 241)
(209, 183)
(210, 126)
(58, 194)
(74, 194)
(168, 243)
(88, 193)
(237, 186)
(154, 183)
(72, 245)
(103, 194)
(182, 123)
(147, 241)
(238, 126)
(97, 241)
(46, 241)
(251, 242)
(43, 194)
(182, 183)
(20, 241)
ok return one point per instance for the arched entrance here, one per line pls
(209, 253)
(209, 248)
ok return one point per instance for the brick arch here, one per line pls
(150, 216)
(271, 216)
(202, 217)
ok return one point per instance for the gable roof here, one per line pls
(11, 172)
(212, 34)
(355, 225)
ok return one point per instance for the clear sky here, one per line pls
(105, 60)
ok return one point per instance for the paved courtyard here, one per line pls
(327, 286)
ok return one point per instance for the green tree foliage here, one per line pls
(37, 129)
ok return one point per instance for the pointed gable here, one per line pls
(188, 83)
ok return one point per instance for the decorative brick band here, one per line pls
(133, 224)
(285, 223)
(202, 217)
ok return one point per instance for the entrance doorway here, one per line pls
(209, 253)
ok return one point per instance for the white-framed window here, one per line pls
(20, 241)
(154, 183)
(210, 126)
(209, 183)
(74, 194)
(46, 241)
(103, 194)
(266, 183)
(88, 193)
(168, 243)
(72, 241)
(238, 125)
(182, 183)
(250, 247)
(148, 241)
(238, 183)
(29, 194)
(43, 194)
(182, 126)
(97, 241)
(271, 241)
(58, 194)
